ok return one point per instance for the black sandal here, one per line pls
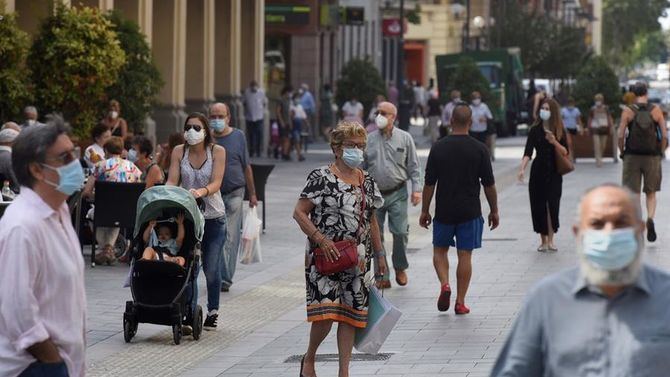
(302, 365)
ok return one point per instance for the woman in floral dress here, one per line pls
(329, 210)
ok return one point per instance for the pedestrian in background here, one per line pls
(572, 118)
(393, 93)
(238, 177)
(43, 300)
(114, 122)
(481, 115)
(300, 123)
(352, 110)
(458, 164)
(420, 101)
(283, 114)
(643, 150)
(255, 103)
(391, 160)
(326, 113)
(545, 185)
(434, 114)
(606, 317)
(309, 105)
(601, 126)
(338, 203)
(204, 182)
(30, 115)
(455, 96)
(7, 137)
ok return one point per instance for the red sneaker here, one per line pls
(444, 299)
(461, 308)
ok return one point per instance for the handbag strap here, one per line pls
(360, 222)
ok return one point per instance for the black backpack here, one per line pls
(643, 136)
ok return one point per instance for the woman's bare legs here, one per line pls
(345, 344)
(317, 334)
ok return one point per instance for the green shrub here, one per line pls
(360, 79)
(467, 78)
(596, 76)
(139, 81)
(14, 75)
(74, 59)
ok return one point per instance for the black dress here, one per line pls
(545, 184)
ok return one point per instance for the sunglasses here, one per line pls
(196, 127)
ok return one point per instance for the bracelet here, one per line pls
(313, 233)
(380, 254)
(206, 189)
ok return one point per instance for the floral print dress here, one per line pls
(341, 297)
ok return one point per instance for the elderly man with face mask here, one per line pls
(391, 160)
(607, 317)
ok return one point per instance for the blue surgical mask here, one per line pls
(610, 251)
(132, 155)
(545, 114)
(353, 157)
(70, 177)
(218, 125)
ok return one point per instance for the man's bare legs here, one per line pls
(463, 270)
(651, 204)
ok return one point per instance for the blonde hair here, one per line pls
(346, 129)
(599, 97)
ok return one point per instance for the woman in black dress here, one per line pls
(545, 184)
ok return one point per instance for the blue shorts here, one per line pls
(468, 235)
(296, 132)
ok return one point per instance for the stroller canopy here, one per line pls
(155, 200)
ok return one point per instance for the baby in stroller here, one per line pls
(166, 247)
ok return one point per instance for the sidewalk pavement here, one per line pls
(262, 328)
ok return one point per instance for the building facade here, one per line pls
(206, 50)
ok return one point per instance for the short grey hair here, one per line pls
(31, 147)
(633, 197)
(30, 109)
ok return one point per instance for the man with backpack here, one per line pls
(643, 138)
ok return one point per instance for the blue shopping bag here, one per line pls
(382, 318)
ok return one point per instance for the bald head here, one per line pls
(461, 117)
(609, 207)
(11, 126)
(388, 110)
(218, 109)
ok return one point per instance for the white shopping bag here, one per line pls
(382, 318)
(250, 243)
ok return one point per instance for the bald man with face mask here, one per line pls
(606, 317)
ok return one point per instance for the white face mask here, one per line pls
(599, 103)
(476, 101)
(194, 137)
(31, 122)
(545, 114)
(114, 114)
(381, 121)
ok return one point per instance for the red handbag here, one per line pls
(348, 250)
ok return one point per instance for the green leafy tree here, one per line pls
(75, 59)
(14, 74)
(139, 81)
(467, 78)
(549, 48)
(360, 79)
(596, 76)
(625, 24)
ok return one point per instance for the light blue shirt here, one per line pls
(393, 160)
(568, 328)
(570, 116)
(307, 102)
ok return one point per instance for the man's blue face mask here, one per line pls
(610, 251)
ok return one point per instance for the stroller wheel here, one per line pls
(197, 323)
(176, 333)
(129, 330)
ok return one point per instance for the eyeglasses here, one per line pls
(196, 127)
(360, 146)
(64, 158)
